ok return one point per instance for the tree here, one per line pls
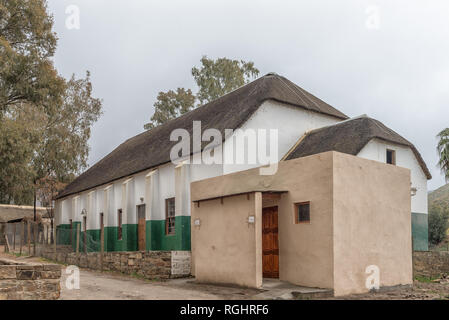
(20, 132)
(47, 189)
(438, 224)
(170, 105)
(443, 152)
(45, 120)
(64, 149)
(217, 77)
(27, 43)
(214, 79)
(46, 144)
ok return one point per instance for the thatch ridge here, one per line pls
(350, 137)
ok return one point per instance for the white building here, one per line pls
(143, 198)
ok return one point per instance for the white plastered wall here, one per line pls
(292, 122)
(376, 149)
(152, 194)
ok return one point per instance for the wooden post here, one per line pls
(7, 248)
(54, 239)
(35, 238)
(70, 233)
(14, 238)
(22, 234)
(28, 236)
(85, 238)
(77, 238)
(102, 245)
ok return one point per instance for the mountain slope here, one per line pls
(439, 197)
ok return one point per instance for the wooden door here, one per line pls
(141, 230)
(270, 245)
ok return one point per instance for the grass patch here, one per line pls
(52, 261)
(134, 275)
(18, 254)
(141, 277)
(442, 248)
(426, 279)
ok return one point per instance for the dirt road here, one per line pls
(113, 286)
(107, 286)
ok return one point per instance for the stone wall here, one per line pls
(430, 263)
(29, 281)
(147, 264)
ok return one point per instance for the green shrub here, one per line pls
(438, 224)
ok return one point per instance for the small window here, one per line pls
(119, 223)
(391, 156)
(170, 216)
(302, 212)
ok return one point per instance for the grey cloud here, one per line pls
(397, 73)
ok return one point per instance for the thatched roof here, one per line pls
(350, 137)
(152, 148)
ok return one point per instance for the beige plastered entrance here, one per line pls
(359, 217)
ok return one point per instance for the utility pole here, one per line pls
(35, 218)
(35, 205)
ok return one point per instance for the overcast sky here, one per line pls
(388, 59)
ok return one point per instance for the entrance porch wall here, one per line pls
(224, 246)
(372, 225)
(227, 248)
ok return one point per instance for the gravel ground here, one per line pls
(96, 285)
(421, 290)
(113, 286)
